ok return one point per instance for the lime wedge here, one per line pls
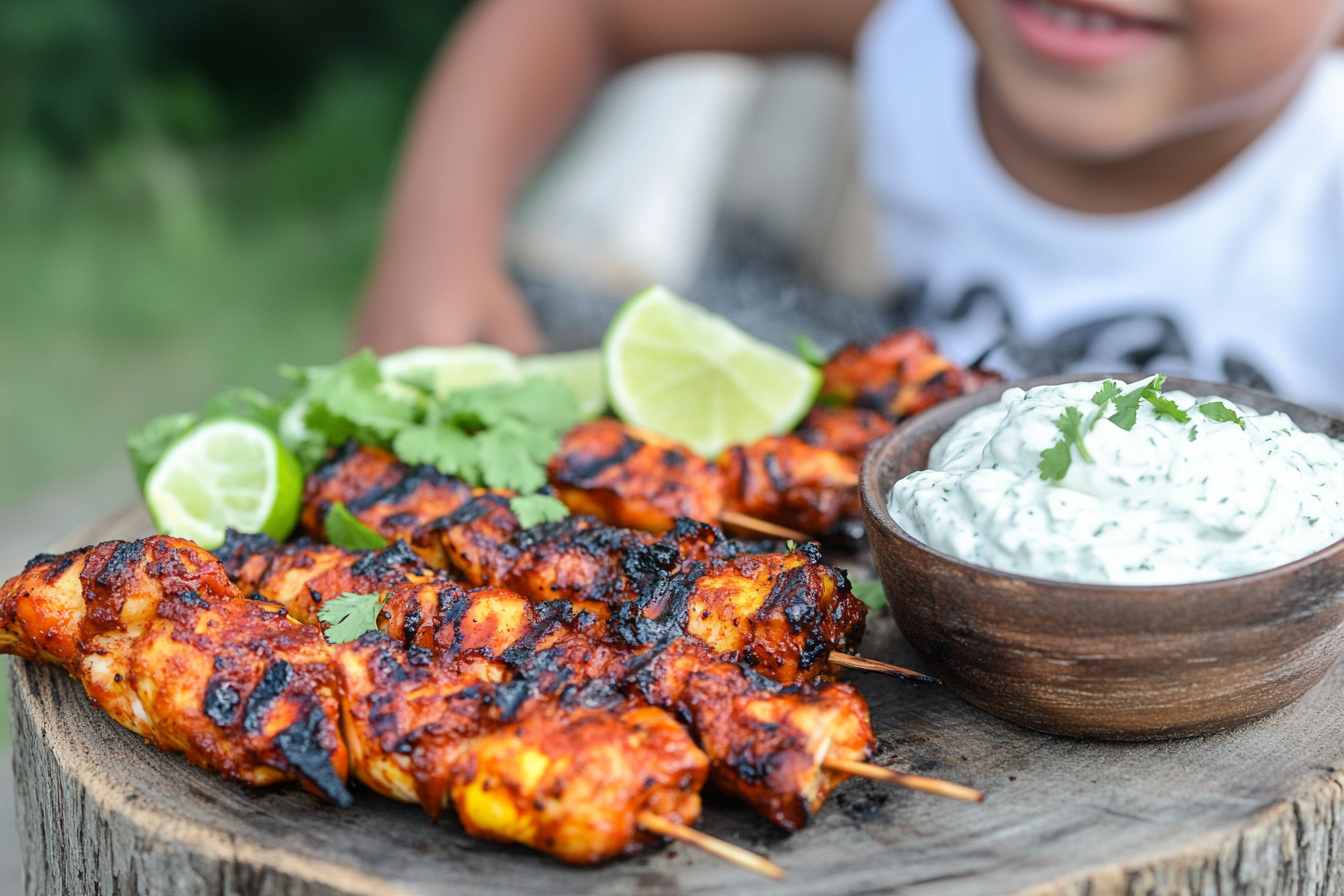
(443, 369)
(225, 473)
(678, 370)
(580, 371)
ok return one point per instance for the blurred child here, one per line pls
(1072, 184)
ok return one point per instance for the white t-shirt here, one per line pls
(1242, 280)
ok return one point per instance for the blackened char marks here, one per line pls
(472, 511)
(221, 701)
(240, 547)
(580, 471)
(402, 490)
(301, 743)
(272, 685)
(392, 562)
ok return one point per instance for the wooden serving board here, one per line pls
(1255, 810)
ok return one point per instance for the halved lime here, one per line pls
(674, 368)
(580, 371)
(443, 369)
(225, 473)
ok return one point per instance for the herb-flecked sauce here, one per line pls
(1163, 502)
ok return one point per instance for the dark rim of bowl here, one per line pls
(872, 497)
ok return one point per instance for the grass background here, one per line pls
(190, 191)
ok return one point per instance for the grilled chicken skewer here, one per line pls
(766, 744)
(160, 639)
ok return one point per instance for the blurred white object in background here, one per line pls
(671, 146)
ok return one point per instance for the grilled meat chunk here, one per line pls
(847, 431)
(160, 638)
(900, 374)
(631, 478)
(558, 771)
(766, 743)
(787, 481)
(303, 575)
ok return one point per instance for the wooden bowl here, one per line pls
(1113, 662)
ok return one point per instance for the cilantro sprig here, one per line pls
(1221, 413)
(1072, 425)
(498, 436)
(350, 616)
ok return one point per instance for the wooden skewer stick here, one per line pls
(914, 782)
(735, 855)
(752, 524)
(857, 662)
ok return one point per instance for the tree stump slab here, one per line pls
(1255, 810)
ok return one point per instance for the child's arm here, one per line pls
(510, 82)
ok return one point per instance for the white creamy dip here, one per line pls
(1162, 503)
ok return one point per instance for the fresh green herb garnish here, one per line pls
(871, 593)
(809, 351)
(1126, 409)
(1221, 413)
(1193, 430)
(1109, 391)
(350, 616)
(1056, 459)
(345, 531)
(534, 509)
(1165, 407)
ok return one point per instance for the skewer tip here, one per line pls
(735, 855)
(935, 786)
(857, 662)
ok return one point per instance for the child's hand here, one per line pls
(484, 307)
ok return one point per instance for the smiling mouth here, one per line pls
(1081, 34)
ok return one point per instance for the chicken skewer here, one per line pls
(635, 626)
(576, 559)
(162, 640)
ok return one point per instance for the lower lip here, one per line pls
(1077, 47)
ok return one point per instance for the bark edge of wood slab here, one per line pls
(1103, 661)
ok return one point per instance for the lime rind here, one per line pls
(225, 473)
(693, 376)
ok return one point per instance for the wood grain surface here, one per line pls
(1253, 810)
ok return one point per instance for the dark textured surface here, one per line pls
(1251, 810)
(1132, 662)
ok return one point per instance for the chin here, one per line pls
(1088, 128)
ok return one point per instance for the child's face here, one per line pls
(1106, 79)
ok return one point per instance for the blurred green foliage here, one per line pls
(190, 193)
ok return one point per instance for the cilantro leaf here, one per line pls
(1055, 460)
(1221, 413)
(809, 351)
(1165, 407)
(1070, 423)
(511, 456)
(1109, 391)
(871, 593)
(1126, 409)
(534, 509)
(350, 616)
(345, 531)
(448, 448)
(538, 401)
(346, 400)
(1193, 431)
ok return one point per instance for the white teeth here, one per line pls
(1073, 18)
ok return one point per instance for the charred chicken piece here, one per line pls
(389, 497)
(161, 640)
(567, 771)
(766, 743)
(900, 374)
(847, 431)
(785, 480)
(632, 478)
(302, 575)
